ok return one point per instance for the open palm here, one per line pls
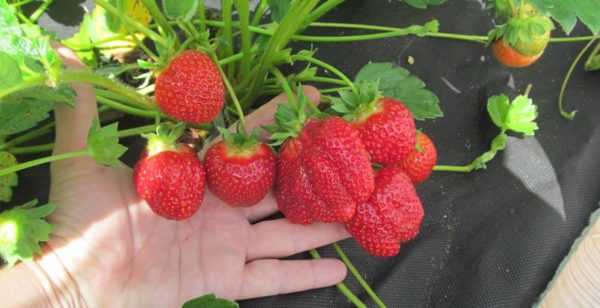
(113, 251)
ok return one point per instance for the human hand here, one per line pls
(110, 249)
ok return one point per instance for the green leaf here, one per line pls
(501, 7)
(497, 108)
(180, 8)
(22, 228)
(103, 144)
(521, 116)
(18, 113)
(84, 38)
(10, 72)
(422, 4)
(567, 12)
(7, 181)
(396, 82)
(278, 9)
(209, 301)
(26, 41)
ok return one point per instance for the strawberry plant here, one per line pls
(183, 69)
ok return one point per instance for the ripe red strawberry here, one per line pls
(391, 216)
(170, 176)
(419, 164)
(323, 173)
(191, 88)
(239, 169)
(386, 126)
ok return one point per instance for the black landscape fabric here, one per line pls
(493, 237)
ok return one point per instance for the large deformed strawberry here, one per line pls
(323, 169)
(392, 215)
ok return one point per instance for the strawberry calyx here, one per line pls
(358, 107)
(291, 118)
(528, 33)
(165, 139)
(240, 144)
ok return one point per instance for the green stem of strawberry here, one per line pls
(124, 108)
(201, 16)
(244, 14)
(227, 50)
(328, 67)
(290, 24)
(311, 78)
(46, 129)
(43, 160)
(358, 276)
(283, 82)
(513, 8)
(563, 113)
(593, 54)
(128, 21)
(465, 168)
(238, 56)
(334, 90)
(68, 77)
(258, 12)
(50, 146)
(160, 19)
(341, 286)
(90, 46)
(40, 10)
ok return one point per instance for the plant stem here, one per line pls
(132, 22)
(341, 286)
(160, 19)
(237, 56)
(28, 136)
(44, 160)
(465, 168)
(258, 13)
(226, 7)
(333, 90)
(328, 67)
(313, 79)
(284, 85)
(594, 52)
(571, 39)
(93, 45)
(322, 10)
(40, 10)
(124, 108)
(201, 16)
(563, 113)
(20, 3)
(356, 274)
(244, 14)
(50, 146)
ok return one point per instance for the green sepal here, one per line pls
(290, 118)
(240, 141)
(103, 144)
(528, 33)
(209, 301)
(593, 62)
(165, 138)
(22, 228)
(360, 105)
(10, 180)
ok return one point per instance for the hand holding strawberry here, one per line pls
(110, 249)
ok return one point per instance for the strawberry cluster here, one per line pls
(324, 171)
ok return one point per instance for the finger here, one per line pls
(72, 124)
(280, 238)
(272, 277)
(265, 208)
